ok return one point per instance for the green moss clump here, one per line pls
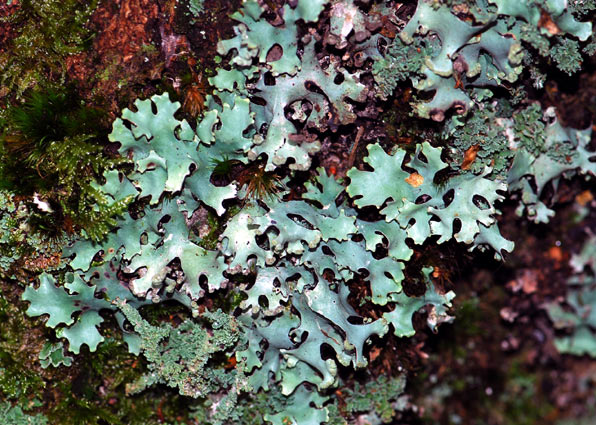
(51, 147)
(48, 31)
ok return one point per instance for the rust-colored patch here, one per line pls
(527, 281)
(415, 179)
(470, 157)
(9, 30)
(125, 51)
(555, 253)
(126, 25)
(458, 81)
(68, 225)
(584, 198)
(547, 23)
(230, 363)
(389, 29)
(559, 257)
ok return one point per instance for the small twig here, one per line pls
(352, 156)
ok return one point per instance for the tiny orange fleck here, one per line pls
(415, 179)
(231, 363)
(556, 253)
(470, 156)
(584, 198)
(458, 81)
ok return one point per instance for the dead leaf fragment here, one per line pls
(470, 156)
(415, 179)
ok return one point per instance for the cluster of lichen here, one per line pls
(459, 51)
(576, 314)
(267, 281)
(14, 415)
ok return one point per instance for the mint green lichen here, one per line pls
(274, 136)
(478, 54)
(379, 399)
(400, 62)
(561, 153)
(184, 357)
(14, 415)
(400, 191)
(286, 262)
(531, 137)
(255, 37)
(567, 56)
(519, 153)
(148, 246)
(53, 355)
(579, 321)
(195, 7)
(480, 131)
